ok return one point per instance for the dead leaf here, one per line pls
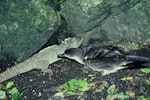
(130, 93)
(101, 87)
(128, 78)
(111, 89)
(111, 97)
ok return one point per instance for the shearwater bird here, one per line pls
(104, 59)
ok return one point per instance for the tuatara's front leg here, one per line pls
(43, 66)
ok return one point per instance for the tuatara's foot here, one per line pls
(48, 71)
(43, 65)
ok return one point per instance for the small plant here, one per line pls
(144, 98)
(147, 82)
(130, 46)
(122, 96)
(15, 95)
(113, 96)
(145, 70)
(74, 87)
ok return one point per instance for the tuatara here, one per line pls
(42, 59)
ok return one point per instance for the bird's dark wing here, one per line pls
(112, 53)
(102, 51)
(94, 52)
(106, 65)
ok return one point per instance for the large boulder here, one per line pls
(25, 26)
(125, 20)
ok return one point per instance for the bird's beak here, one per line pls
(61, 56)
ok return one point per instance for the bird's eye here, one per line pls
(67, 51)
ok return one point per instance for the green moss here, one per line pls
(28, 24)
(130, 46)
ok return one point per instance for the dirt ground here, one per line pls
(34, 85)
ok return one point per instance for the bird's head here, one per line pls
(74, 54)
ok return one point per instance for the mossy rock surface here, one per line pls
(108, 20)
(25, 26)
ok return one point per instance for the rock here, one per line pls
(25, 27)
(107, 20)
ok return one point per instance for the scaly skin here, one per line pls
(41, 60)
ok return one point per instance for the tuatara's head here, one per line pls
(72, 42)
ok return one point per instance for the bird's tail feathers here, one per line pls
(137, 58)
(137, 61)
